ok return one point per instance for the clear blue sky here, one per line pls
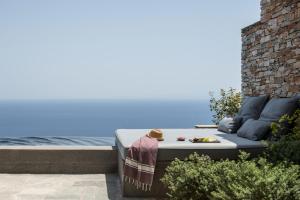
(133, 49)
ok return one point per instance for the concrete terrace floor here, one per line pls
(60, 187)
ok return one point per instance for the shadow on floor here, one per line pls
(114, 188)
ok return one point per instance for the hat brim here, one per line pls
(159, 139)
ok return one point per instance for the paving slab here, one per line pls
(61, 187)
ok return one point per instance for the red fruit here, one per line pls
(181, 138)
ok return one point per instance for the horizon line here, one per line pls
(104, 99)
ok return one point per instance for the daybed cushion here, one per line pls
(230, 124)
(252, 107)
(170, 148)
(277, 107)
(254, 129)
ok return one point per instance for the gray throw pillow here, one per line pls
(252, 107)
(277, 107)
(254, 129)
(229, 124)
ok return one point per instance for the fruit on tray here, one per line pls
(204, 139)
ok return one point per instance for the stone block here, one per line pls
(297, 64)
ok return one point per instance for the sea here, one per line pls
(92, 122)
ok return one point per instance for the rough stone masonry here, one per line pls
(271, 50)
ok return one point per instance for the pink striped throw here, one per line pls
(140, 163)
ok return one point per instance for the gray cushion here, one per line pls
(254, 129)
(252, 107)
(230, 124)
(277, 107)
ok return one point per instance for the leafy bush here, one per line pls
(285, 141)
(227, 104)
(199, 177)
(284, 150)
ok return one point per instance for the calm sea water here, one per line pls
(91, 122)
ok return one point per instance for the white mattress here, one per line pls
(170, 146)
(227, 141)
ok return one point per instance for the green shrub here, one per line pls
(199, 177)
(284, 150)
(285, 141)
(227, 104)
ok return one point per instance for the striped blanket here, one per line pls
(140, 163)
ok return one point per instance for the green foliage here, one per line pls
(227, 104)
(285, 142)
(288, 127)
(199, 177)
(274, 176)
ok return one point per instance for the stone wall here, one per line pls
(271, 50)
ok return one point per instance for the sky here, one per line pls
(116, 49)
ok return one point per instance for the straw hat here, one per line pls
(156, 133)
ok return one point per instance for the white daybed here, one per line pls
(170, 148)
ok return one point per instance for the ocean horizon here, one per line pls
(92, 122)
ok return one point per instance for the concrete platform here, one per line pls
(58, 159)
(60, 187)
